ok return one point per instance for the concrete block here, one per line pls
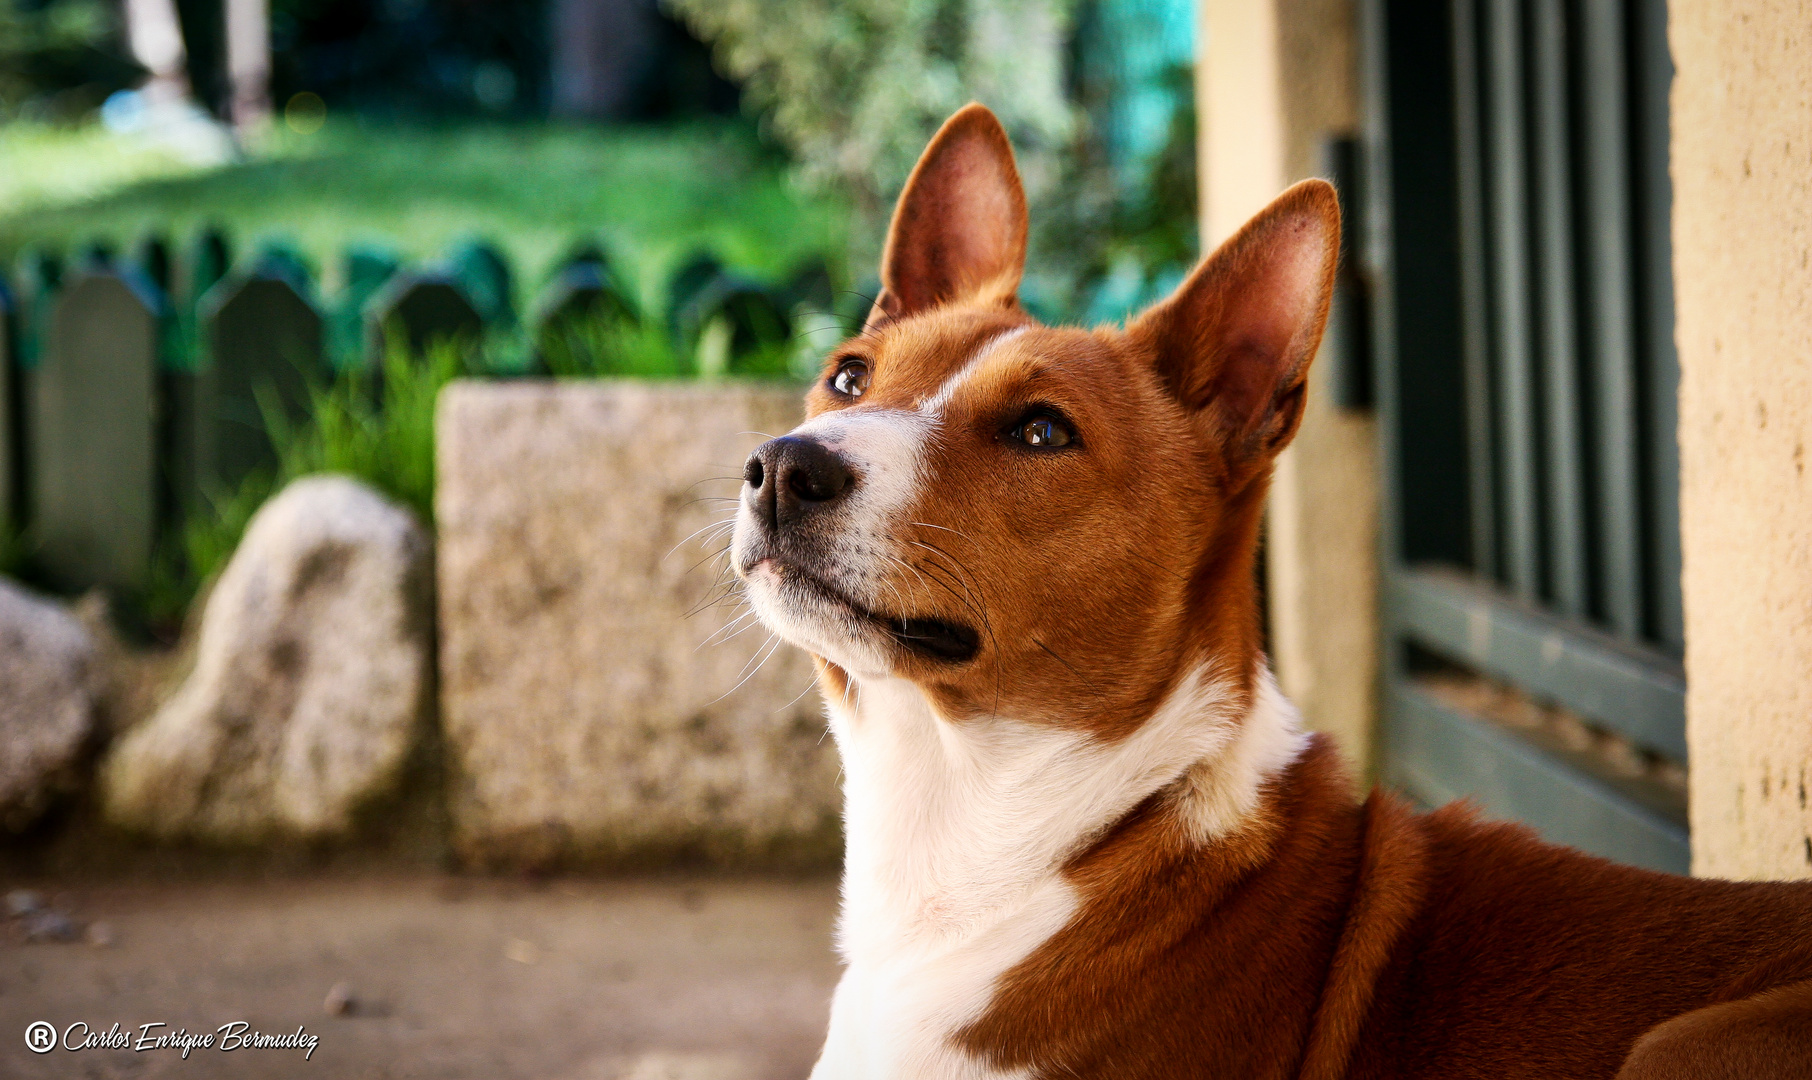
(594, 712)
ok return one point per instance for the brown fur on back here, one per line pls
(1344, 940)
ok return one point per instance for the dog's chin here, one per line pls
(816, 616)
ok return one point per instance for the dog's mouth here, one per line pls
(934, 639)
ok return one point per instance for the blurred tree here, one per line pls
(1133, 75)
(59, 58)
(1096, 95)
(855, 87)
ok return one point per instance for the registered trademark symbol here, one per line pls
(41, 1037)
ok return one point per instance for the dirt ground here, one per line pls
(448, 977)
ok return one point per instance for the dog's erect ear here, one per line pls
(959, 230)
(1236, 338)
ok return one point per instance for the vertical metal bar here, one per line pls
(1553, 182)
(1378, 246)
(1475, 343)
(1609, 266)
(1374, 246)
(1507, 187)
(1346, 345)
(1654, 74)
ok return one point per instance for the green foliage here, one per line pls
(855, 87)
(628, 348)
(384, 438)
(649, 197)
(1140, 241)
(42, 46)
(375, 427)
(28, 31)
(580, 348)
(1161, 218)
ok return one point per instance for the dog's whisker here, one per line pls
(727, 631)
(963, 576)
(900, 601)
(712, 533)
(729, 521)
(946, 528)
(713, 555)
(737, 479)
(933, 579)
(752, 663)
(772, 645)
(975, 601)
(957, 571)
(810, 683)
(730, 597)
(740, 632)
(1053, 655)
(719, 592)
(913, 570)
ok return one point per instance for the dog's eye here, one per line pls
(851, 379)
(1043, 430)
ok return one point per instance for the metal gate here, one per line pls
(1514, 241)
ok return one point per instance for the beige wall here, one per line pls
(1274, 77)
(1742, 169)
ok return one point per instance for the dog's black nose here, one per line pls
(791, 476)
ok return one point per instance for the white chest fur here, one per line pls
(957, 834)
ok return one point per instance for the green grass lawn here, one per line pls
(653, 195)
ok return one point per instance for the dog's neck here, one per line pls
(953, 827)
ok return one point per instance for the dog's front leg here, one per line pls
(849, 1045)
(885, 1024)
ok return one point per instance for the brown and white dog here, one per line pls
(1087, 837)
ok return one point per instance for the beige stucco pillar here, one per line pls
(1273, 78)
(1742, 171)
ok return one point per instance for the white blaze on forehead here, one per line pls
(886, 447)
(935, 404)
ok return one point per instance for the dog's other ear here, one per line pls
(1235, 340)
(959, 230)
